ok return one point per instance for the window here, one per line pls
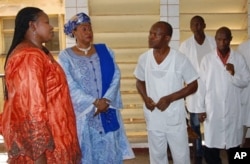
(7, 25)
(7, 33)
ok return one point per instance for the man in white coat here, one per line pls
(224, 73)
(195, 47)
(161, 72)
(244, 49)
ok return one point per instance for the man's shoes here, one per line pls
(198, 160)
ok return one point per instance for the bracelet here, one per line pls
(107, 102)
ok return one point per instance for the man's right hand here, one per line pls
(150, 104)
(202, 116)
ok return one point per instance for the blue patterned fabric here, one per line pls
(74, 22)
(85, 82)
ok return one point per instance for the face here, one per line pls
(44, 31)
(83, 33)
(222, 40)
(157, 36)
(197, 25)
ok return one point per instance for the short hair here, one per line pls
(199, 18)
(225, 30)
(168, 28)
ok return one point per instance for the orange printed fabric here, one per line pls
(38, 115)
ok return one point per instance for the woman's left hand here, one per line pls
(102, 106)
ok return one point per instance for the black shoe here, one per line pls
(198, 160)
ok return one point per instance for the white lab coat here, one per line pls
(220, 99)
(188, 48)
(244, 49)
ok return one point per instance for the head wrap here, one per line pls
(74, 22)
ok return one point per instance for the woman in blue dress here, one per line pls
(94, 82)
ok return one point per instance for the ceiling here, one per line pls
(217, 13)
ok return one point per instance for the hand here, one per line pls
(150, 104)
(41, 160)
(230, 68)
(202, 116)
(101, 105)
(163, 103)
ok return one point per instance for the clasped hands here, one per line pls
(101, 105)
(162, 104)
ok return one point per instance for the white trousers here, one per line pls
(178, 144)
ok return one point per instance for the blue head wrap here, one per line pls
(74, 22)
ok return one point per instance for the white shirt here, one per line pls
(195, 53)
(161, 80)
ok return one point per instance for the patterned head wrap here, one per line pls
(74, 22)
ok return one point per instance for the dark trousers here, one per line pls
(195, 125)
(212, 155)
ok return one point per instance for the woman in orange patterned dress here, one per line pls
(38, 122)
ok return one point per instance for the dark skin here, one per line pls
(44, 33)
(42, 159)
(101, 105)
(84, 38)
(197, 26)
(223, 39)
(159, 38)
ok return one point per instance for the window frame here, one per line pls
(59, 29)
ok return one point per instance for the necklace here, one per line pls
(85, 50)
